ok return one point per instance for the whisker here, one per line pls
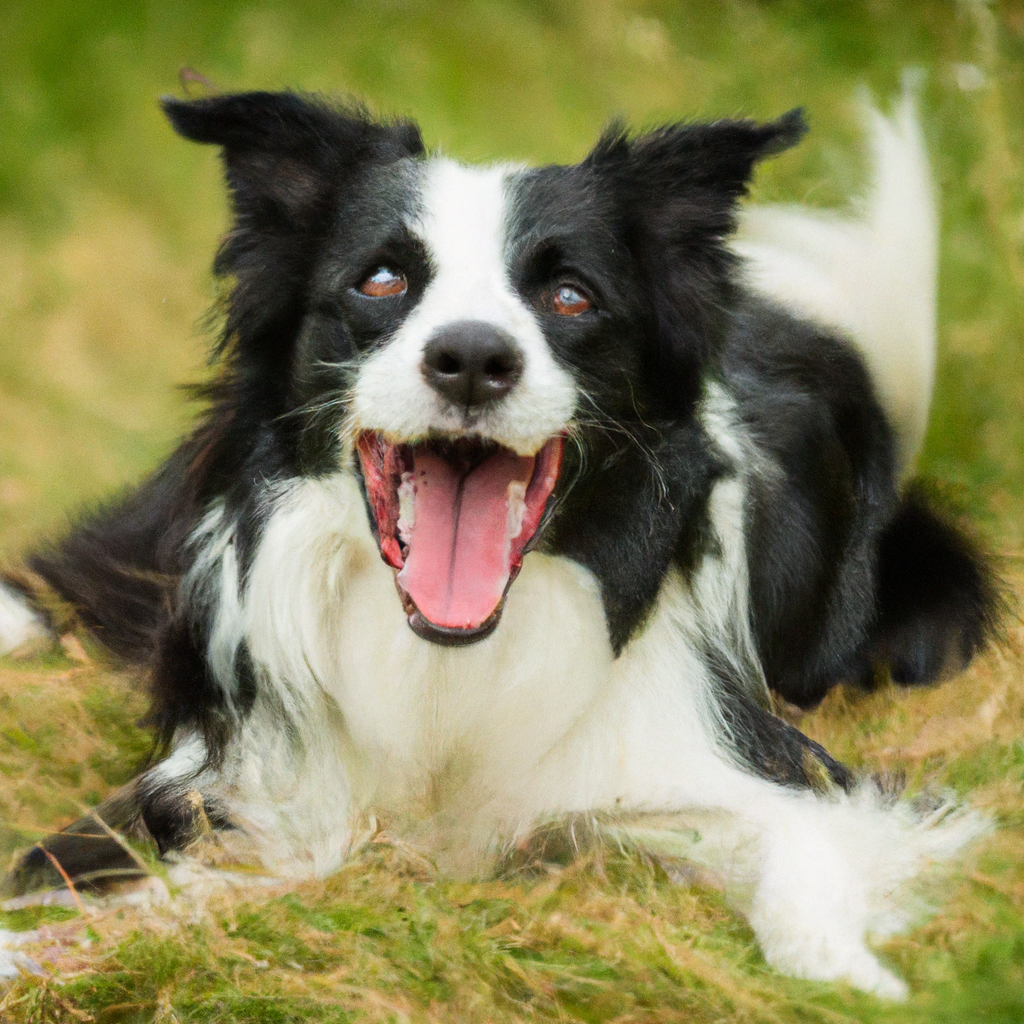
(601, 422)
(321, 404)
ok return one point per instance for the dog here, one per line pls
(520, 495)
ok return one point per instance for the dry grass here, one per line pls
(85, 322)
(611, 937)
(66, 737)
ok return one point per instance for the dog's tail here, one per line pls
(872, 276)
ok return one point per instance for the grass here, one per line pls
(107, 226)
(610, 937)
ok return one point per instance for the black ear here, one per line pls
(720, 155)
(693, 173)
(284, 153)
(288, 159)
(676, 189)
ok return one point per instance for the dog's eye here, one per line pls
(383, 282)
(569, 301)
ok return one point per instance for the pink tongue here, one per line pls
(460, 552)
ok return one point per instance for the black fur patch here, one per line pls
(817, 509)
(121, 564)
(939, 600)
(85, 851)
(176, 819)
(185, 693)
(776, 750)
(93, 852)
(634, 512)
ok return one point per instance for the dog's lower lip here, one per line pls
(450, 636)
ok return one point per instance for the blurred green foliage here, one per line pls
(82, 143)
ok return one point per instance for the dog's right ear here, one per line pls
(285, 154)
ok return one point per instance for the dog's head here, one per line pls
(465, 336)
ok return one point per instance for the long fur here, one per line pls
(728, 522)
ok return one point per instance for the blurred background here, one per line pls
(108, 222)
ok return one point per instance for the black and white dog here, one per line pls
(519, 492)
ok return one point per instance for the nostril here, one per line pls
(446, 363)
(496, 367)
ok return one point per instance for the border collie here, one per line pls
(519, 493)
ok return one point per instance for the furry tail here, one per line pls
(873, 277)
(940, 599)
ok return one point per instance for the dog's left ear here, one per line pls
(676, 189)
(695, 167)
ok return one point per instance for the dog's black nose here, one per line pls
(472, 363)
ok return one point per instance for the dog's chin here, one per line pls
(454, 518)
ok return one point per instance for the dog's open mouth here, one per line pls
(455, 518)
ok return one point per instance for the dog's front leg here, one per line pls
(811, 903)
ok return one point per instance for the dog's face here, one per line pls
(475, 337)
(466, 337)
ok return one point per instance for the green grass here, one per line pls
(107, 226)
(611, 938)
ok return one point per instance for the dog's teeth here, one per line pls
(406, 508)
(516, 508)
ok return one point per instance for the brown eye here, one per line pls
(567, 301)
(382, 283)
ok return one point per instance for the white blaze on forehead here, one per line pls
(462, 223)
(462, 219)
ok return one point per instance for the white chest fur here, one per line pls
(323, 618)
(535, 720)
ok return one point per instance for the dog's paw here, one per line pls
(849, 962)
